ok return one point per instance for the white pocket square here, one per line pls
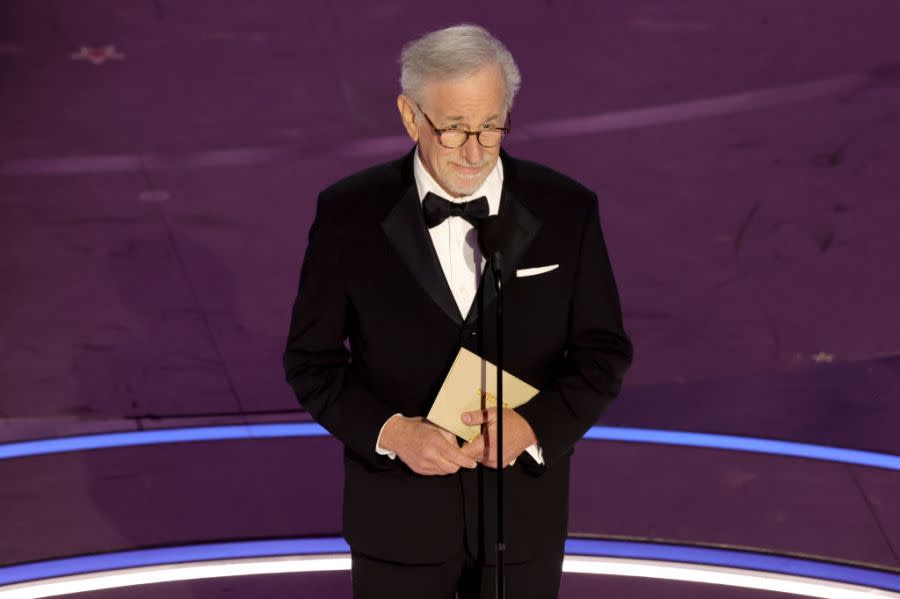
(537, 270)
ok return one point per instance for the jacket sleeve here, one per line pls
(597, 353)
(316, 360)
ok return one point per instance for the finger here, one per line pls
(423, 467)
(442, 465)
(479, 447)
(474, 448)
(423, 470)
(479, 416)
(450, 437)
(489, 453)
(457, 457)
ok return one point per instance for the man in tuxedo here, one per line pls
(393, 265)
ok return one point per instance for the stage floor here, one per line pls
(155, 203)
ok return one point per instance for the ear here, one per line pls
(408, 116)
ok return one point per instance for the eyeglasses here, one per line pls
(456, 138)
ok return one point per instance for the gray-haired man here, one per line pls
(393, 266)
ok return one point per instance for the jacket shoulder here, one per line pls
(544, 182)
(372, 180)
(362, 196)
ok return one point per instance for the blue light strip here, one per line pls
(158, 437)
(23, 449)
(170, 555)
(741, 560)
(751, 444)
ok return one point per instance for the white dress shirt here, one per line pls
(456, 243)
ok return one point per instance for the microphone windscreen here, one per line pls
(494, 233)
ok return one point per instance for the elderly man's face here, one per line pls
(470, 103)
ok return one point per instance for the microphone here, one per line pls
(494, 235)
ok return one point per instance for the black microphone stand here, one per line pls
(497, 264)
(493, 236)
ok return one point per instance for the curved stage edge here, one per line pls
(749, 568)
(37, 447)
(742, 569)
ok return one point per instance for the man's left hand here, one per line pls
(517, 435)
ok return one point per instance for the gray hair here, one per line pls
(453, 52)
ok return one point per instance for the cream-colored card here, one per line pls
(471, 384)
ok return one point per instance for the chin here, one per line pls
(465, 185)
(464, 189)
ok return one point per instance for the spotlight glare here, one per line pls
(746, 579)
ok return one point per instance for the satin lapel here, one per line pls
(525, 228)
(405, 227)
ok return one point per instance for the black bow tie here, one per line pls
(437, 209)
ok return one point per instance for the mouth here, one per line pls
(468, 170)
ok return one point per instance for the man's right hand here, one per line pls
(426, 448)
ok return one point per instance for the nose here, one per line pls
(472, 151)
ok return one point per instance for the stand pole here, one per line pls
(501, 589)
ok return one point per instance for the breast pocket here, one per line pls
(535, 271)
(538, 293)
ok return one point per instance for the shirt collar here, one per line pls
(491, 188)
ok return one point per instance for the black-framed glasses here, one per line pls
(456, 138)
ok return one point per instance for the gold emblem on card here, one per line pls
(488, 400)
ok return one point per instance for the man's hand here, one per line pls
(517, 436)
(424, 447)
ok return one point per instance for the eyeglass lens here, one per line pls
(454, 139)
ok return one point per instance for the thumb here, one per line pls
(479, 416)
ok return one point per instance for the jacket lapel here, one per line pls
(405, 227)
(525, 227)
(406, 230)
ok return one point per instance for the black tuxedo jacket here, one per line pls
(371, 276)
